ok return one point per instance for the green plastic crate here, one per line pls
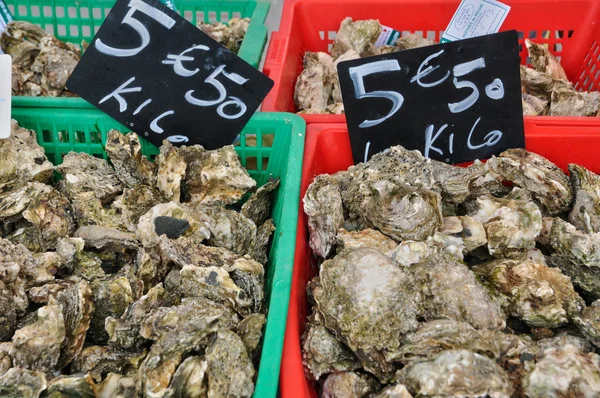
(60, 131)
(77, 20)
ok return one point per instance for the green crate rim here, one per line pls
(251, 49)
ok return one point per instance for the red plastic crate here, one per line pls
(327, 150)
(571, 28)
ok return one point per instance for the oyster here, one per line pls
(411, 40)
(77, 308)
(38, 345)
(20, 266)
(544, 61)
(589, 323)
(534, 106)
(230, 371)
(7, 351)
(106, 239)
(23, 160)
(111, 297)
(577, 254)
(88, 210)
(323, 206)
(171, 171)
(542, 85)
(229, 229)
(512, 226)
(125, 153)
(117, 386)
(395, 391)
(258, 206)
(260, 247)
(313, 89)
(358, 36)
(470, 232)
(190, 379)
(573, 103)
(230, 34)
(369, 303)
(134, 203)
(22, 383)
(579, 344)
(322, 353)
(21, 41)
(250, 276)
(543, 179)
(585, 214)
(98, 361)
(563, 372)
(77, 386)
(457, 373)
(55, 62)
(336, 94)
(250, 330)
(409, 252)
(449, 290)
(539, 295)
(349, 385)
(364, 238)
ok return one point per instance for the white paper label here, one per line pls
(387, 37)
(5, 93)
(475, 18)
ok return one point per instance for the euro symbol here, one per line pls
(177, 61)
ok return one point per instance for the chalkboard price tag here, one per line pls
(162, 77)
(454, 102)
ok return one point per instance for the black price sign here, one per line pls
(156, 73)
(454, 102)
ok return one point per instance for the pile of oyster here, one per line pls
(441, 281)
(41, 64)
(130, 278)
(230, 34)
(546, 89)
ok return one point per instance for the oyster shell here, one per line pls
(55, 62)
(395, 391)
(38, 345)
(548, 184)
(23, 160)
(21, 41)
(568, 102)
(76, 386)
(540, 84)
(358, 36)
(250, 330)
(457, 373)
(230, 371)
(88, 210)
(258, 206)
(538, 295)
(589, 323)
(349, 385)
(106, 239)
(111, 298)
(544, 61)
(534, 106)
(411, 40)
(364, 238)
(171, 171)
(77, 308)
(322, 353)
(562, 340)
(98, 361)
(134, 203)
(353, 285)
(117, 386)
(22, 383)
(260, 247)
(229, 229)
(585, 214)
(125, 153)
(230, 34)
(313, 89)
(409, 252)
(250, 276)
(7, 351)
(336, 94)
(323, 206)
(512, 226)
(190, 379)
(470, 231)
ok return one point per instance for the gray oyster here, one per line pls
(77, 308)
(72, 386)
(395, 391)
(7, 351)
(365, 238)
(548, 184)
(36, 215)
(313, 89)
(117, 386)
(134, 203)
(38, 345)
(149, 267)
(470, 231)
(585, 214)
(484, 183)
(369, 303)
(540, 84)
(83, 173)
(457, 373)
(450, 290)
(410, 252)
(229, 229)
(250, 276)
(111, 297)
(534, 106)
(512, 226)
(98, 361)
(563, 372)
(577, 254)
(125, 153)
(87, 265)
(171, 171)
(22, 383)
(23, 160)
(230, 34)
(55, 62)
(322, 353)
(216, 177)
(21, 41)
(18, 261)
(260, 248)
(89, 210)
(13, 298)
(172, 220)
(589, 323)
(411, 40)
(544, 61)
(157, 370)
(337, 92)
(184, 251)
(573, 103)
(358, 36)
(230, 370)
(123, 332)
(561, 340)
(250, 330)
(538, 295)
(258, 206)
(349, 385)
(324, 208)
(106, 239)
(189, 380)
